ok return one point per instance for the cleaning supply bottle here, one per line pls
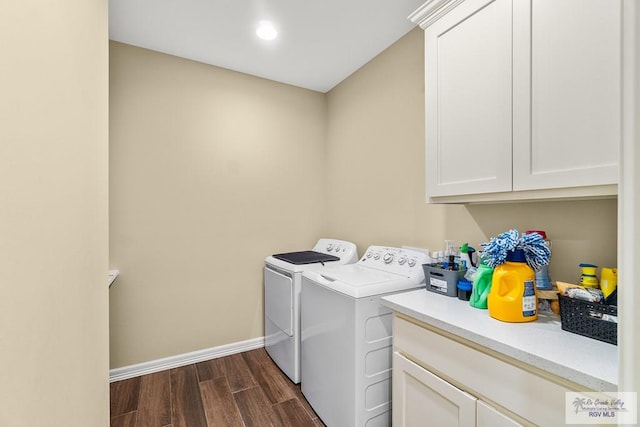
(588, 278)
(481, 285)
(465, 255)
(609, 284)
(513, 295)
(543, 281)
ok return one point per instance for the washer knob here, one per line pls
(402, 260)
(411, 262)
(369, 254)
(376, 256)
(330, 247)
(387, 258)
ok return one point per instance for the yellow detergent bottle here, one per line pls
(513, 295)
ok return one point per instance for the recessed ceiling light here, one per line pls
(266, 30)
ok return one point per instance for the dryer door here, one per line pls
(278, 299)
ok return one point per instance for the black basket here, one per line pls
(590, 319)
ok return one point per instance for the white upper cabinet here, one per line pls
(468, 99)
(567, 97)
(523, 98)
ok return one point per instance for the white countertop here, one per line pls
(541, 343)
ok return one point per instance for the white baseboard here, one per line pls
(176, 361)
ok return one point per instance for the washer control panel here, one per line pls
(407, 262)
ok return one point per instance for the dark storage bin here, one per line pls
(440, 281)
(590, 319)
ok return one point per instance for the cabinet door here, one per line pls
(422, 398)
(566, 93)
(488, 416)
(468, 99)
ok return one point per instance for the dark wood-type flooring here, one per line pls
(245, 389)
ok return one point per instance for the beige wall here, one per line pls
(211, 171)
(207, 164)
(376, 144)
(53, 214)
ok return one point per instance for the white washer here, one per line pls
(347, 337)
(282, 284)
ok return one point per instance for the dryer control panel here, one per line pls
(346, 251)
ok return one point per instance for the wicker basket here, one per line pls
(593, 320)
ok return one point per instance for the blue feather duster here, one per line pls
(536, 252)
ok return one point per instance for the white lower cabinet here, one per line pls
(442, 380)
(420, 395)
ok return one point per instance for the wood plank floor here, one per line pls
(245, 389)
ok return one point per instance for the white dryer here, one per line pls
(347, 343)
(282, 286)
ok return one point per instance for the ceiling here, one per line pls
(319, 44)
